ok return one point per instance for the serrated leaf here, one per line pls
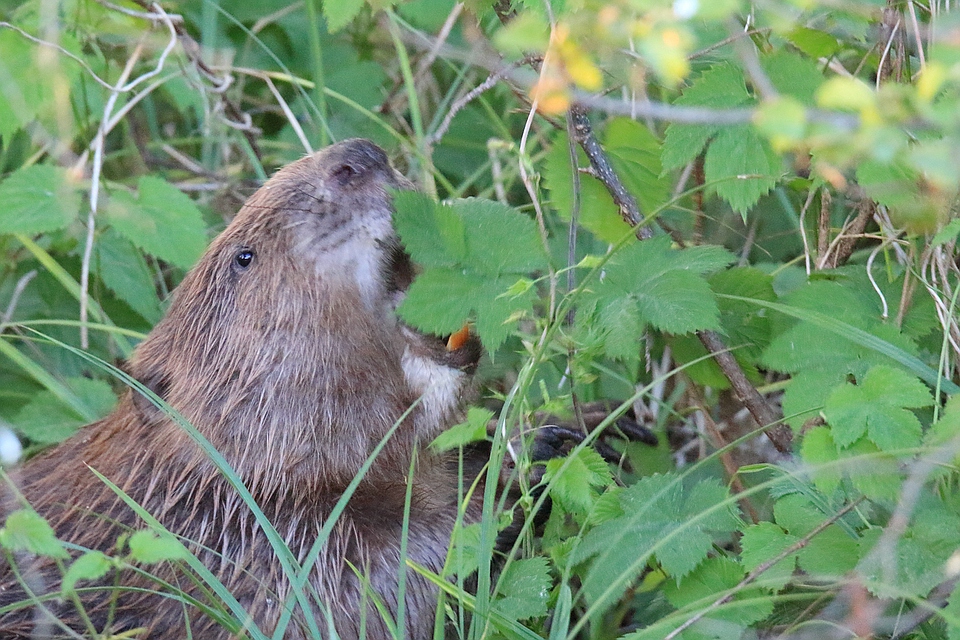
(598, 213)
(485, 280)
(92, 565)
(650, 283)
(878, 407)
(46, 419)
(920, 555)
(125, 272)
(474, 429)
(432, 233)
(37, 199)
(742, 166)
(23, 97)
(662, 517)
(819, 452)
(722, 86)
(26, 530)
(713, 579)
(524, 589)
(441, 300)
(635, 154)
(339, 13)
(762, 543)
(500, 239)
(161, 220)
(149, 548)
(573, 478)
(822, 359)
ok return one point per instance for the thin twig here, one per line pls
(463, 101)
(424, 65)
(753, 575)
(751, 64)
(15, 298)
(98, 144)
(823, 225)
(291, 119)
(803, 229)
(779, 433)
(841, 248)
(525, 79)
(60, 49)
(604, 171)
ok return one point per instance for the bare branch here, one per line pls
(603, 170)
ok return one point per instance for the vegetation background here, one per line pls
(735, 221)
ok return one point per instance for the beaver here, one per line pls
(282, 348)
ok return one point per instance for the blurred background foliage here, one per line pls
(796, 163)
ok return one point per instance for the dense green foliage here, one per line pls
(796, 162)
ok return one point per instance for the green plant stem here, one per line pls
(316, 58)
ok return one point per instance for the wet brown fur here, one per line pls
(294, 368)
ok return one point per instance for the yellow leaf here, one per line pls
(930, 81)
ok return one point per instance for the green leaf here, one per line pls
(92, 565)
(162, 221)
(37, 199)
(839, 334)
(339, 13)
(746, 325)
(661, 516)
(762, 543)
(819, 452)
(878, 407)
(635, 154)
(26, 530)
(524, 589)
(743, 167)
(500, 239)
(125, 272)
(793, 75)
(713, 579)
(481, 276)
(830, 553)
(573, 478)
(46, 419)
(720, 87)
(432, 233)
(878, 476)
(149, 548)
(650, 283)
(474, 429)
(814, 43)
(920, 556)
(598, 213)
(28, 91)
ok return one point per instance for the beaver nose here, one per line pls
(357, 157)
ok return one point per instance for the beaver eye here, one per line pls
(243, 258)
